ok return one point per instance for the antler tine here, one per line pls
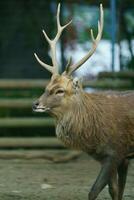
(55, 40)
(68, 65)
(48, 67)
(92, 35)
(54, 68)
(59, 27)
(100, 23)
(95, 42)
(47, 38)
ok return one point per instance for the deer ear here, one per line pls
(76, 84)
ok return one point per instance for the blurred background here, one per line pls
(22, 79)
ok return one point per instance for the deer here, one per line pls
(100, 124)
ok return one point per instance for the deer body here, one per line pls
(98, 124)
(101, 125)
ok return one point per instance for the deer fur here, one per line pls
(100, 124)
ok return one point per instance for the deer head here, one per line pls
(62, 87)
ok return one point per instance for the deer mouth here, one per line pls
(41, 109)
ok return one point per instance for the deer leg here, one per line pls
(113, 185)
(103, 178)
(122, 176)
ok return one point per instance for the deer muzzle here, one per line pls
(37, 107)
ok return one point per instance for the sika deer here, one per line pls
(101, 125)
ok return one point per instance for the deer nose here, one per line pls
(35, 105)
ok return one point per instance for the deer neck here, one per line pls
(71, 110)
(74, 127)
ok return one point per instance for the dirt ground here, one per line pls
(40, 179)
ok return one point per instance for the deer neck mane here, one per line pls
(80, 104)
(74, 109)
(77, 123)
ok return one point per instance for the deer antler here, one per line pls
(54, 68)
(95, 42)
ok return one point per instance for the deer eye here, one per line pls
(60, 92)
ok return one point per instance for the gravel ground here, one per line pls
(39, 179)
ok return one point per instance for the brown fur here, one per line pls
(95, 123)
(100, 124)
